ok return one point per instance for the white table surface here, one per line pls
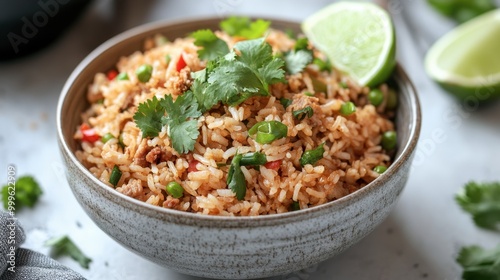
(419, 240)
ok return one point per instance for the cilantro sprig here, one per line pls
(25, 193)
(479, 263)
(483, 202)
(244, 27)
(179, 117)
(297, 59)
(64, 246)
(212, 46)
(234, 77)
(230, 78)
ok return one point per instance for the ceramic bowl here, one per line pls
(227, 247)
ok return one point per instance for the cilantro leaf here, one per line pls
(296, 61)
(483, 202)
(235, 178)
(148, 117)
(184, 136)
(25, 192)
(64, 246)
(182, 131)
(213, 46)
(244, 27)
(479, 264)
(237, 77)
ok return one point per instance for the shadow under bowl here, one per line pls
(228, 247)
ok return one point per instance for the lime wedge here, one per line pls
(357, 37)
(466, 61)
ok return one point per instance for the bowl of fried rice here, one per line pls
(228, 154)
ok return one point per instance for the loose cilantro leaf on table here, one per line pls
(244, 27)
(148, 117)
(213, 46)
(25, 192)
(479, 264)
(63, 246)
(483, 202)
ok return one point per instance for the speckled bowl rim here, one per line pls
(236, 221)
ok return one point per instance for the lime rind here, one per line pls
(362, 40)
(463, 40)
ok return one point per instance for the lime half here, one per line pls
(466, 61)
(357, 37)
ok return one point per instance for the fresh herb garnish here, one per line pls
(234, 78)
(483, 202)
(479, 264)
(178, 116)
(312, 156)
(213, 46)
(25, 193)
(244, 27)
(235, 178)
(148, 117)
(297, 59)
(63, 246)
(182, 126)
(246, 71)
(302, 113)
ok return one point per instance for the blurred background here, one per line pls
(43, 41)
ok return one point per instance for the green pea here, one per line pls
(100, 101)
(343, 84)
(307, 93)
(174, 189)
(376, 97)
(347, 108)
(380, 169)
(106, 137)
(123, 76)
(389, 140)
(144, 72)
(168, 58)
(295, 206)
(392, 100)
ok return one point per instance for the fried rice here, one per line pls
(352, 143)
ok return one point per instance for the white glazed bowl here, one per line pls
(227, 247)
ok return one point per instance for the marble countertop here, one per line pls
(419, 240)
